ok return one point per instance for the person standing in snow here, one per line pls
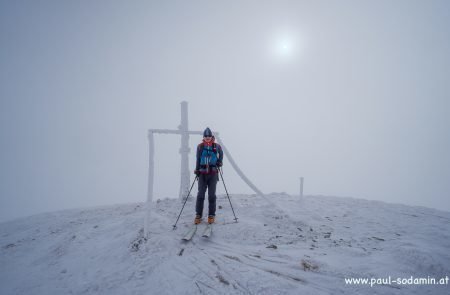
(209, 159)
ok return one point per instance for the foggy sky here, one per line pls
(351, 95)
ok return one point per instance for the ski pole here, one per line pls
(220, 170)
(175, 225)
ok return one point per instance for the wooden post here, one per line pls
(301, 187)
(236, 168)
(151, 169)
(184, 151)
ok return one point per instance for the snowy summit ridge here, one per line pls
(284, 246)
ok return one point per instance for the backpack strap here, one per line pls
(214, 148)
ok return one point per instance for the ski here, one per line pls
(208, 231)
(188, 236)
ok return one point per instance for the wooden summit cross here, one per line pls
(185, 174)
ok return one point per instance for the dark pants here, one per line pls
(206, 181)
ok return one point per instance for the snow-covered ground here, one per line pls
(279, 246)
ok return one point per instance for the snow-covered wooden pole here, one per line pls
(301, 187)
(184, 151)
(151, 169)
(236, 168)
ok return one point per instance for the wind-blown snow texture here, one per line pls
(283, 247)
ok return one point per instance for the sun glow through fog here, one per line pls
(285, 46)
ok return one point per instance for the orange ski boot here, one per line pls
(198, 219)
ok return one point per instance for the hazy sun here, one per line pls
(285, 46)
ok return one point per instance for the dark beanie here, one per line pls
(207, 132)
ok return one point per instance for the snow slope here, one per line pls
(279, 246)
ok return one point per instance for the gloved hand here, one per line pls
(196, 172)
(219, 164)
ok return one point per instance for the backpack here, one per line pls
(209, 155)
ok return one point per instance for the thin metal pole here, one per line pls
(175, 225)
(220, 170)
